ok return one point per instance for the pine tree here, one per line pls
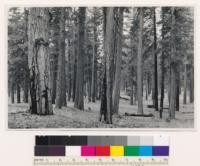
(79, 94)
(139, 64)
(39, 64)
(61, 77)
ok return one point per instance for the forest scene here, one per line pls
(100, 67)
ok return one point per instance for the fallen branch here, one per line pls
(124, 98)
(139, 115)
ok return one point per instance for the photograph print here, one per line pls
(100, 67)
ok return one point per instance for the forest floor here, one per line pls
(70, 117)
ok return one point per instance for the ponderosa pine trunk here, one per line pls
(74, 63)
(173, 70)
(106, 92)
(69, 73)
(79, 94)
(25, 97)
(61, 80)
(109, 60)
(192, 85)
(155, 63)
(185, 85)
(131, 94)
(103, 106)
(117, 81)
(162, 81)
(94, 62)
(146, 88)
(39, 63)
(18, 94)
(132, 72)
(177, 93)
(162, 87)
(53, 71)
(139, 64)
(12, 92)
(26, 81)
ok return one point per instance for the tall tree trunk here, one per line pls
(69, 72)
(74, 62)
(192, 85)
(139, 64)
(149, 84)
(79, 94)
(185, 85)
(114, 47)
(39, 63)
(26, 81)
(61, 77)
(109, 60)
(18, 94)
(135, 95)
(9, 88)
(173, 70)
(12, 92)
(89, 90)
(155, 63)
(94, 61)
(177, 93)
(162, 82)
(132, 72)
(106, 94)
(162, 87)
(53, 71)
(25, 93)
(117, 81)
(131, 95)
(103, 106)
(146, 90)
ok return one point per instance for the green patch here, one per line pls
(131, 150)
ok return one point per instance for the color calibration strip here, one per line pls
(102, 151)
(91, 146)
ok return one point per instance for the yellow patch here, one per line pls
(116, 150)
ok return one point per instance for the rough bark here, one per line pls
(155, 63)
(12, 93)
(26, 89)
(39, 63)
(162, 82)
(177, 93)
(173, 70)
(74, 63)
(192, 85)
(109, 60)
(53, 71)
(139, 64)
(185, 85)
(61, 78)
(94, 61)
(79, 94)
(69, 73)
(18, 94)
(131, 95)
(26, 81)
(103, 106)
(132, 73)
(117, 81)
(106, 93)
